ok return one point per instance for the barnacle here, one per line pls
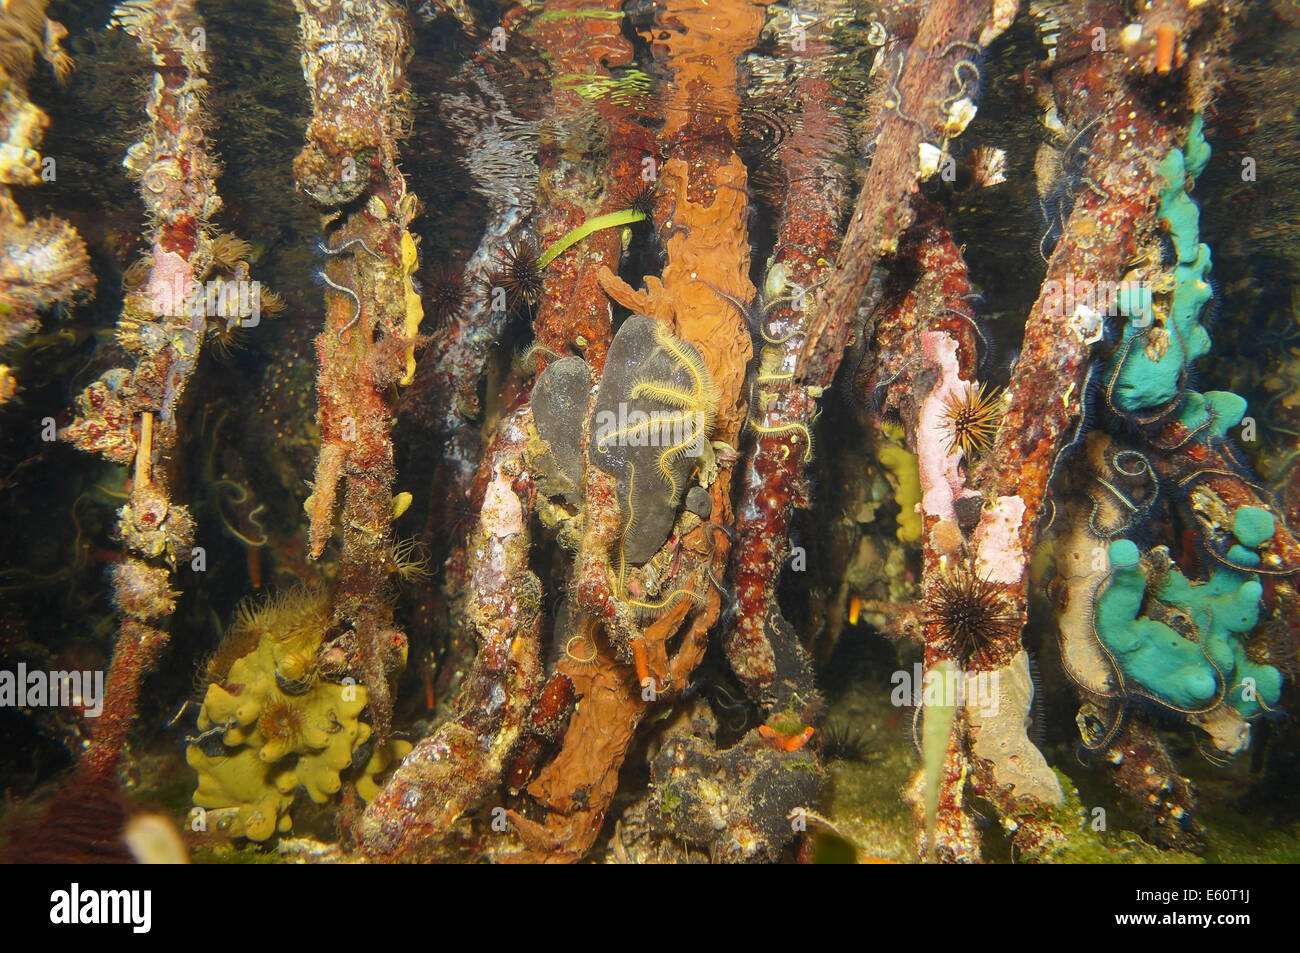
(138, 328)
(988, 166)
(142, 590)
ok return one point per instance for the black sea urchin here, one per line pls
(843, 740)
(972, 613)
(444, 293)
(519, 274)
(640, 199)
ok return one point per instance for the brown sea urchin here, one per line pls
(971, 419)
(972, 613)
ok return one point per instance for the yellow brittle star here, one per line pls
(691, 418)
(621, 590)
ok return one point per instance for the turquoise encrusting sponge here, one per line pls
(1190, 666)
(1147, 369)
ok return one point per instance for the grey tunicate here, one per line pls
(559, 404)
(699, 502)
(652, 415)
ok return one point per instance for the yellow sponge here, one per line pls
(902, 466)
(282, 726)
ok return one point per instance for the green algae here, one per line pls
(1087, 842)
(1235, 838)
(863, 800)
